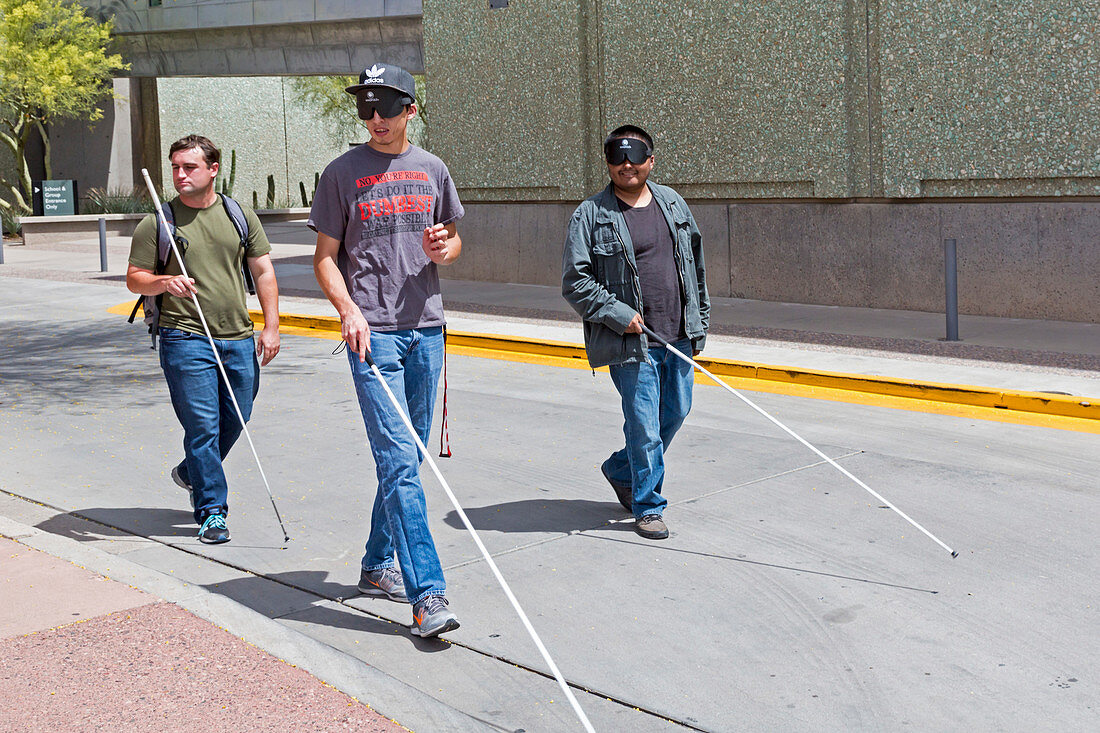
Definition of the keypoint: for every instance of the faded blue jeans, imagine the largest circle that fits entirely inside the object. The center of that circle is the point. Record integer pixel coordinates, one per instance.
(656, 397)
(205, 410)
(410, 361)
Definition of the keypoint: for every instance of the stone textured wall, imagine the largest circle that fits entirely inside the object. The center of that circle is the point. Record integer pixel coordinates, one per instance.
(509, 102)
(988, 98)
(787, 99)
(827, 148)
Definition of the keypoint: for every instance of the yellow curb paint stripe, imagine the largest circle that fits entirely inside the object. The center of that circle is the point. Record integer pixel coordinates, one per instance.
(850, 396)
(561, 353)
(1012, 406)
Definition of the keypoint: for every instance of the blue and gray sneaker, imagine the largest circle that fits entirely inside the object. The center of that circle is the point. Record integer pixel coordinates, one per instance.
(431, 617)
(181, 482)
(213, 530)
(383, 583)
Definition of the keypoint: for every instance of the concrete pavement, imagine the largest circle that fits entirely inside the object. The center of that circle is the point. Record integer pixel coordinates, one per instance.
(785, 599)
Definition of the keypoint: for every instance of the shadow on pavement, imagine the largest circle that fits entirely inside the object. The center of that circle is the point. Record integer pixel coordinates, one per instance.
(41, 366)
(307, 596)
(96, 523)
(543, 515)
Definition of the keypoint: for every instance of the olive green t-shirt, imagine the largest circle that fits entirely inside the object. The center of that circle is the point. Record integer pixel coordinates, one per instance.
(213, 257)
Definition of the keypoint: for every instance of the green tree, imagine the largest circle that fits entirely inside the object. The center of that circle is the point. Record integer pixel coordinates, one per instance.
(325, 95)
(53, 65)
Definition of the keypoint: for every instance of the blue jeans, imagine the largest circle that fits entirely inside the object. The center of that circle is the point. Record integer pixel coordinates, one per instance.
(205, 410)
(410, 361)
(656, 396)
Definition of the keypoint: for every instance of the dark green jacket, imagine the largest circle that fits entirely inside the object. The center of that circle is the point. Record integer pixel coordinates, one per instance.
(599, 275)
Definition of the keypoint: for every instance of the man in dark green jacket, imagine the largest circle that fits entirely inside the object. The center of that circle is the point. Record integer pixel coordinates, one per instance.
(634, 256)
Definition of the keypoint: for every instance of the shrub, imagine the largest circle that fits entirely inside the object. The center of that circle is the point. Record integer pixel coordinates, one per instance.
(117, 201)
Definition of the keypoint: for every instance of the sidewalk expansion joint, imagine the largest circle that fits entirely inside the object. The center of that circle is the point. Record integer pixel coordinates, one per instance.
(583, 531)
(761, 479)
(609, 697)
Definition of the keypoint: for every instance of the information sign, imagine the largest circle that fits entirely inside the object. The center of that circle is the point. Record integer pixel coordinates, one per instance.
(55, 198)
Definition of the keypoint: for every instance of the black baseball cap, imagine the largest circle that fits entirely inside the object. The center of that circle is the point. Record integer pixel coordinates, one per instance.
(385, 76)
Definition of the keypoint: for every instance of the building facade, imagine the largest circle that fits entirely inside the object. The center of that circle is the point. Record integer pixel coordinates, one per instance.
(827, 148)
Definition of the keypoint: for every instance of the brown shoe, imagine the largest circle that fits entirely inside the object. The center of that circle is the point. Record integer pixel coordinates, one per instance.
(652, 527)
(623, 493)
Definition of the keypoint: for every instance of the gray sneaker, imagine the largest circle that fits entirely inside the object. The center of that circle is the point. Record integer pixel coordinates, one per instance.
(178, 478)
(652, 527)
(431, 617)
(384, 583)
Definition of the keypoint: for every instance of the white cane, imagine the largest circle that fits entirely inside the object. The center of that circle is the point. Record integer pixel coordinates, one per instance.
(484, 552)
(796, 436)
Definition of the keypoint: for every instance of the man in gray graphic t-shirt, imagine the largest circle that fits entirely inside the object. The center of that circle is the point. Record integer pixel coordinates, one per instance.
(378, 205)
(385, 214)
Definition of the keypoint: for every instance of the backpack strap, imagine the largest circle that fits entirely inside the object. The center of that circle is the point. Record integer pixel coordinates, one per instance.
(240, 223)
(151, 304)
(164, 244)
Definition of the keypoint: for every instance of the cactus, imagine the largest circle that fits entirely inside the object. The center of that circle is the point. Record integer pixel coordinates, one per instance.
(232, 172)
(226, 184)
(255, 200)
(270, 191)
(302, 188)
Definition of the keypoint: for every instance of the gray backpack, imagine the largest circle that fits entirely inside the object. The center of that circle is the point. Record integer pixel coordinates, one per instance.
(150, 304)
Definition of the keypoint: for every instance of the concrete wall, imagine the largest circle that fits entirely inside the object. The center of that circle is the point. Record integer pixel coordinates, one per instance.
(262, 37)
(137, 16)
(1024, 260)
(103, 155)
(1027, 260)
(259, 117)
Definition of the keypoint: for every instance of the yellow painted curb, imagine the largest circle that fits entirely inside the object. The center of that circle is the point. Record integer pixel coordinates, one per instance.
(1035, 408)
(1037, 402)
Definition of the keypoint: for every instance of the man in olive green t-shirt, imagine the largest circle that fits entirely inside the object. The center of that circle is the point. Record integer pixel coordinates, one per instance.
(212, 251)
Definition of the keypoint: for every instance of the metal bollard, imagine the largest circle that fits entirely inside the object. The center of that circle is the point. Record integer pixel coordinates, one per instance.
(1, 248)
(951, 285)
(102, 244)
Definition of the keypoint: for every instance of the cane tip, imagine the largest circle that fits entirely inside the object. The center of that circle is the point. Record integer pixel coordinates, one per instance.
(954, 553)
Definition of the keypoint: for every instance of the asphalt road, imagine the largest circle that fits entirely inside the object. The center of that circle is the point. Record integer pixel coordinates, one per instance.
(787, 598)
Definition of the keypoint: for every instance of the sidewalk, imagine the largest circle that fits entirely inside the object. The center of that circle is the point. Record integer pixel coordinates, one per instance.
(1036, 372)
(994, 352)
(821, 611)
(82, 652)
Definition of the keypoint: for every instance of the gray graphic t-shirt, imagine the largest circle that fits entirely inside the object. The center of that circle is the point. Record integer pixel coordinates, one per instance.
(378, 205)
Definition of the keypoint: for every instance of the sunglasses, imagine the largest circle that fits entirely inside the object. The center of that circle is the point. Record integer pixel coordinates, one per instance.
(386, 102)
(627, 148)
